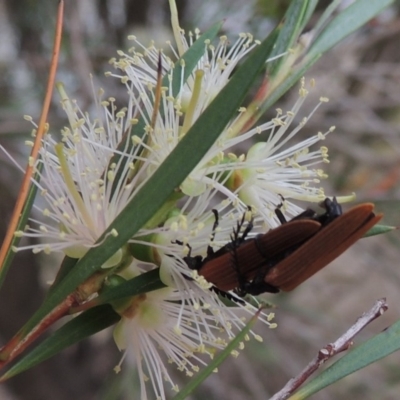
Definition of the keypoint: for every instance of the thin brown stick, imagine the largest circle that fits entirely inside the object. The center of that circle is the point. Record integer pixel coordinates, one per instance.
(330, 350)
(22, 340)
(24, 190)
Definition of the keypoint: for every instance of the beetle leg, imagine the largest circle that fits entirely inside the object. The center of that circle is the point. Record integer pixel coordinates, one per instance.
(249, 226)
(258, 286)
(227, 295)
(279, 213)
(235, 243)
(195, 262)
(306, 214)
(237, 240)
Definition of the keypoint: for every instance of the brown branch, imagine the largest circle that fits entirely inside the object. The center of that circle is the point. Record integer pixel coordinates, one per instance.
(330, 350)
(30, 169)
(22, 340)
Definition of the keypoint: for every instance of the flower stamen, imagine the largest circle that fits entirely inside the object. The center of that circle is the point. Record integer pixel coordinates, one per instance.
(189, 115)
(71, 186)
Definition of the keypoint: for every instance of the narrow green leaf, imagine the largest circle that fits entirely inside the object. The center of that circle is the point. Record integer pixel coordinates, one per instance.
(345, 23)
(216, 362)
(368, 352)
(77, 329)
(326, 15)
(66, 266)
(165, 179)
(379, 230)
(143, 283)
(350, 19)
(312, 4)
(21, 226)
(286, 84)
(191, 58)
(290, 30)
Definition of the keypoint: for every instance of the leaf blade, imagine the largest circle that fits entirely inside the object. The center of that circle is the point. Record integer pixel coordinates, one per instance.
(75, 330)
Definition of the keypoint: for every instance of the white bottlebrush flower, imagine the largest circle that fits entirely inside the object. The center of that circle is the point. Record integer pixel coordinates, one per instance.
(274, 172)
(79, 183)
(172, 326)
(187, 319)
(269, 171)
(180, 110)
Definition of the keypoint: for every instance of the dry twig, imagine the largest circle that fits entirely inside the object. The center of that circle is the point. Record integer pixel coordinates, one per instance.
(342, 344)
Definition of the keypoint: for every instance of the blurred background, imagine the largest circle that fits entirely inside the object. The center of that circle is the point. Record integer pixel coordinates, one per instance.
(361, 77)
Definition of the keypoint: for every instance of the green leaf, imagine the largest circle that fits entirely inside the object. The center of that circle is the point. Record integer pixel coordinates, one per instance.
(156, 191)
(282, 88)
(66, 266)
(379, 230)
(312, 4)
(368, 352)
(349, 20)
(326, 15)
(345, 23)
(21, 225)
(216, 361)
(77, 329)
(191, 59)
(143, 283)
(290, 30)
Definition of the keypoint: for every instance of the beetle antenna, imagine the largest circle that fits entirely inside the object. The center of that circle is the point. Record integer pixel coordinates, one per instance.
(278, 211)
(216, 223)
(210, 250)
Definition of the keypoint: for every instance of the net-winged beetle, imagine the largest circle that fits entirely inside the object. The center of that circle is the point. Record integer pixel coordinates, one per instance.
(284, 257)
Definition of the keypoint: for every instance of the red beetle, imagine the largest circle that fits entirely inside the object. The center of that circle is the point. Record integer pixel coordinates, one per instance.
(286, 256)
